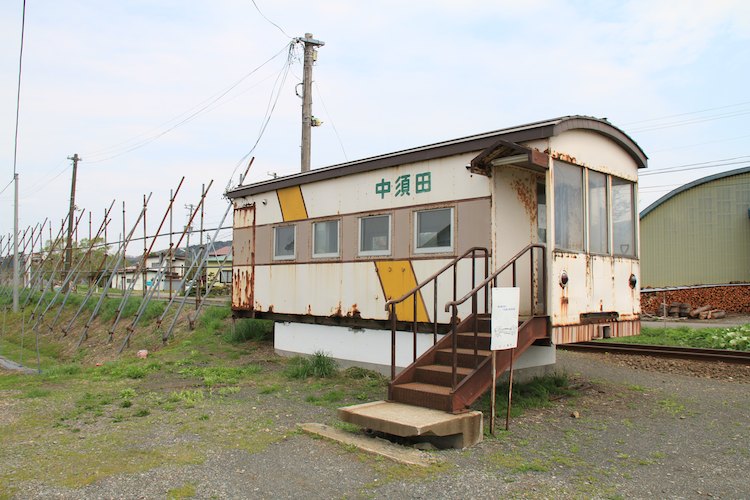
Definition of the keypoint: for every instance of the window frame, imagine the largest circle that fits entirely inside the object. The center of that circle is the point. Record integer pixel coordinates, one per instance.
(293, 256)
(633, 217)
(327, 255)
(607, 210)
(582, 205)
(442, 249)
(373, 253)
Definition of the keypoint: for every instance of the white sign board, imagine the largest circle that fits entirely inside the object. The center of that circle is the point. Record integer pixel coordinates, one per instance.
(505, 303)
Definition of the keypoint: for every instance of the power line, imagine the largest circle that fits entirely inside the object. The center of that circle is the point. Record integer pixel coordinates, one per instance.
(335, 130)
(699, 165)
(282, 76)
(204, 106)
(695, 144)
(18, 94)
(264, 17)
(693, 121)
(687, 113)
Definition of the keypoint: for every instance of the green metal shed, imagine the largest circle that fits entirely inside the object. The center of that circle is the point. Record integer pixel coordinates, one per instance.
(699, 233)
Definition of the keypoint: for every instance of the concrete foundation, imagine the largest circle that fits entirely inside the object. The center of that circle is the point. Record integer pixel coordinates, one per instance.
(371, 349)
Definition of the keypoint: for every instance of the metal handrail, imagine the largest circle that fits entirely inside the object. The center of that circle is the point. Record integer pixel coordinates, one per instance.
(485, 285)
(391, 304)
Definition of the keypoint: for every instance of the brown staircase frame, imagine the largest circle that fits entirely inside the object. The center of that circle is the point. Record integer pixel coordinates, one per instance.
(474, 384)
(390, 306)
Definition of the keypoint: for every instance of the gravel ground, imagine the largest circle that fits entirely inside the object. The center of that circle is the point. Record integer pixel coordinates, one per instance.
(635, 431)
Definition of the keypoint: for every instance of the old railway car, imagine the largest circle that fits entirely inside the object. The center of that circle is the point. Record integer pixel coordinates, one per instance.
(323, 252)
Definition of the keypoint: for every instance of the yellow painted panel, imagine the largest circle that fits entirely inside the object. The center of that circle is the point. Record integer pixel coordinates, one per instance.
(292, 203)
(397, 278)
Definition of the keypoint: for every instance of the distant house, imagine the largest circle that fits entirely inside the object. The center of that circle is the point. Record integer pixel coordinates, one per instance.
(699, 233)
(154, 263)
(220, 262)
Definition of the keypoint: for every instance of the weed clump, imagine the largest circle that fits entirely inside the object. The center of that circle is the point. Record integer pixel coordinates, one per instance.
(257, 330)
(319, 365)
(536, 393)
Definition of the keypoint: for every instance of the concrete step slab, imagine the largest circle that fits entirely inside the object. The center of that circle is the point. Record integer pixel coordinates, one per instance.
(399, 454)
(444, 429)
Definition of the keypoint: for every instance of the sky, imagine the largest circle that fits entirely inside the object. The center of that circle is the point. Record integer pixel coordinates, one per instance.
(146, 92)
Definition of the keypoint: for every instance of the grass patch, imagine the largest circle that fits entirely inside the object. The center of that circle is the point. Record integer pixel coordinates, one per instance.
(517, 463)
(671, 406)
(270, 389)
(213, 318)
(184, 491)
(215, 376)
(187, 397)
(319, 365)
(329, 397)
(36, 393)
(735, 338)
(535, 393)
(256, 330)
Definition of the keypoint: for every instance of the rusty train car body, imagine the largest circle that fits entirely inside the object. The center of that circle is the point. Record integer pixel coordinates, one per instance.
(322, 252)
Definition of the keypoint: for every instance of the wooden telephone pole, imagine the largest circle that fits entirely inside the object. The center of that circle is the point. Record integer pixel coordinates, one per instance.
(69, 246)
(310, 56)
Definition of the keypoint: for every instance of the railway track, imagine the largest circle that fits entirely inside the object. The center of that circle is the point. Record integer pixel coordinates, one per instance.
(690, 353)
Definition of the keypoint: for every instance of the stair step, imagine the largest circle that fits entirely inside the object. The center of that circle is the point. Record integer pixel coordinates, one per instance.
(484, 323)
(421, 394)
(466, 340)
(465, 356)
(440, 374)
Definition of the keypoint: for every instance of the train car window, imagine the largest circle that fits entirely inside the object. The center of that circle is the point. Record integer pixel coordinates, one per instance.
(541, 212)
(283, 242)
(433, 230)
(623, 217)
(568, 207)
(598, 220)
(375, 235)
(326, 239)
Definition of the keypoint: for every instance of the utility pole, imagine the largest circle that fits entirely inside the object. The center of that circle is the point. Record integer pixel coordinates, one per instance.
(189, 228)
(69, 246)
(311, 55)
(16, 268)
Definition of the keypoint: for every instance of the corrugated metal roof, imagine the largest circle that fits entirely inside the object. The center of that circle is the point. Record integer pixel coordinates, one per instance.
(520, 133)
(690, 185)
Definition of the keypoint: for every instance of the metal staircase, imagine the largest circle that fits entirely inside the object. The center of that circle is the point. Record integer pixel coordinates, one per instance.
(456, 370)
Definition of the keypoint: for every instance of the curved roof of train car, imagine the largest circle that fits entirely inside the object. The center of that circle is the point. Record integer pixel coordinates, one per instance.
(691, 185)
(521, 133)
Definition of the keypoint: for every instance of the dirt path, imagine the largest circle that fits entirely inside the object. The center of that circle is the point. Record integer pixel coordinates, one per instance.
(637, 434)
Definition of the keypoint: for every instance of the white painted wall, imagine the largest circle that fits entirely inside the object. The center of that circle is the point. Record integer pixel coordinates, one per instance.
(372, 348)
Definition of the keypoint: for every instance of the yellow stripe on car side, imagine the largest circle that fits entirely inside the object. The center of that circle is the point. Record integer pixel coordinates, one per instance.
(292, 204)
(397, 277)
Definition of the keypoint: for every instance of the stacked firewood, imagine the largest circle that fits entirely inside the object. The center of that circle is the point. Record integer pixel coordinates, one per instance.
(732, 299)
(683, 310)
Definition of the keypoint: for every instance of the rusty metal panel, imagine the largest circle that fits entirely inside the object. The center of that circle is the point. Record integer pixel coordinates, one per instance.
(242, 288)
(595, 284)
(243, 216)
(327, 289)
(571, 334)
